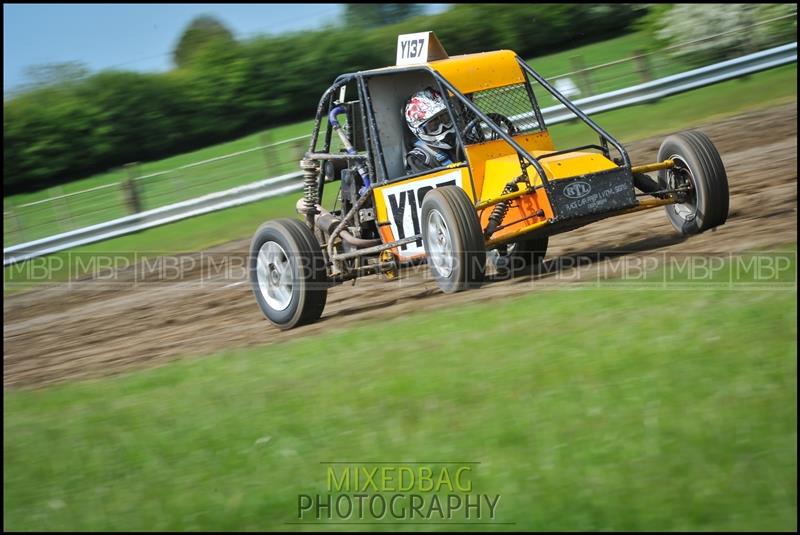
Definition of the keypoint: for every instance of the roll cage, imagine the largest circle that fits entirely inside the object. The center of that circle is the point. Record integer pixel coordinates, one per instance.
(365, 119)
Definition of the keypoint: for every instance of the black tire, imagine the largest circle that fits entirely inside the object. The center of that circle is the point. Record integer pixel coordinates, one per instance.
(462, 231)
(697, 162)
(523, 256)
(307, 275)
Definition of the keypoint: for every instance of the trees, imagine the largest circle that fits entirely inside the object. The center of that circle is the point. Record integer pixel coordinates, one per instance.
(373, 15)
(203, 31)
(720, 31)
(225, 88)
(55, 73)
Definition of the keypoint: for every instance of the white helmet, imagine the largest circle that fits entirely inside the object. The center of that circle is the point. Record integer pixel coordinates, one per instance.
(428, 119)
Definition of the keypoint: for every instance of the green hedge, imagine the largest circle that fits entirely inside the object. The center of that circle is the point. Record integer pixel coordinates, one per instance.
(69, 131)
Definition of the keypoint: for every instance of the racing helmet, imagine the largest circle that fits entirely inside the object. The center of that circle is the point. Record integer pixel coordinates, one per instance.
(428, 119)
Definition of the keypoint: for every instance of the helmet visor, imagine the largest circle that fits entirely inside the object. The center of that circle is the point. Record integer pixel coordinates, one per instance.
(437, 124)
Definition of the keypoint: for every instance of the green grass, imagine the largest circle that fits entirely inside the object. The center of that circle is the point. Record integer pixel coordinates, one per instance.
(25, 223)
(611, 77)
(595, 409)
(668, 115)
(190, 235)
(248, 142)
(591, 54)
(687, 110)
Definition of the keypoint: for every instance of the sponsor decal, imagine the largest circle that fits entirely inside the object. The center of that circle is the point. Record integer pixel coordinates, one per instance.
(576, 190)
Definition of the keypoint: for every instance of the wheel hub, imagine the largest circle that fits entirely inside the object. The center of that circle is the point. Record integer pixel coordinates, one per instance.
(679, 176)
(440, 247)
(274, 273)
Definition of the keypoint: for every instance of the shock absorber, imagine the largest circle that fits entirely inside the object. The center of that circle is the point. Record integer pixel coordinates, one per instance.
(310, 174)
(500, 210)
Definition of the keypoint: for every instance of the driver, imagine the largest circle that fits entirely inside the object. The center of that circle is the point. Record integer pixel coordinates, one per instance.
(428, 119)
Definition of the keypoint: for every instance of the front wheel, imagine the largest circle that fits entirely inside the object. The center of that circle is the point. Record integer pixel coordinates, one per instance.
(698, 168)
(453, 239)
(288, 273)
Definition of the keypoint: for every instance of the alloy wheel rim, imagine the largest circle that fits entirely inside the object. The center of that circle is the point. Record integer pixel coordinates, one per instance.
(274, 273)
(439, 244)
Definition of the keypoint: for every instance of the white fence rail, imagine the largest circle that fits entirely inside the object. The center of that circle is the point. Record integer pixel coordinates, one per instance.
(263, 189)
(638, 94)
(678, 83)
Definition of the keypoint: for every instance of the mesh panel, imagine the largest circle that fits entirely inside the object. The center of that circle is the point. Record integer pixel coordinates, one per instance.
(509, 107)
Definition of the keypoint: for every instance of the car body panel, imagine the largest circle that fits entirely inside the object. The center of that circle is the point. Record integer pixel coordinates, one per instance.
(479, 153)
(398, 205)
(477, 72)
(469, 72)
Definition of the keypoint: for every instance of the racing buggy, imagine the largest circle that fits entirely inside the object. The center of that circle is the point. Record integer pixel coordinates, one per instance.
(507, 190)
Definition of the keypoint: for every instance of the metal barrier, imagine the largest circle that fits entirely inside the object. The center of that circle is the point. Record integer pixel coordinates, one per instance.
(672, 85)
(638, 94)
(132, 189)
(212, 202)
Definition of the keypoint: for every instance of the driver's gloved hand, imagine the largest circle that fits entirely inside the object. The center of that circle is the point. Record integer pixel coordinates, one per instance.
(418, 160)
(421, 158)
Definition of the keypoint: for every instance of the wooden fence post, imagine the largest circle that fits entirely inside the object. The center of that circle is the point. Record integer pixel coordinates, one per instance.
(65, 220)
(131, 188)
(643, 66)
(266, 142)
(583, 75)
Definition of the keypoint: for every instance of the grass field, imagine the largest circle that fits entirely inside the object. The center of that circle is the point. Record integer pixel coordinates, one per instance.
(654, 64)
(687, 110)
(628, 124)
(65, 212)
(592, 54)
(32, 222)
(618, 410)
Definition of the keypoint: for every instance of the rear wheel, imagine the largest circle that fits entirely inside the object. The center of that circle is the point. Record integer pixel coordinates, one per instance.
(287, 273)
(453, 240)
(522, 256)
(699, 168)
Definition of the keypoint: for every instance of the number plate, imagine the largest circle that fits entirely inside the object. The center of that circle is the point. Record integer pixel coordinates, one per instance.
(419, 48)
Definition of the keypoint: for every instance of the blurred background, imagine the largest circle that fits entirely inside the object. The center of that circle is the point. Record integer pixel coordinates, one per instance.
(649, 400)
(85, 145)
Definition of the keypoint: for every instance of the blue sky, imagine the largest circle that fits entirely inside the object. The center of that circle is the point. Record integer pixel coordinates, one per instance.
(134, 36)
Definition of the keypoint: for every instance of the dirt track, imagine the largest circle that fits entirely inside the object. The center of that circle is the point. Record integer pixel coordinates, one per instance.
(99, 327)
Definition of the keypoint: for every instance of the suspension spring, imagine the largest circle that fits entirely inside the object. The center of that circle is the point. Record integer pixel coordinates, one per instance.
(500, 210)
(310, 175)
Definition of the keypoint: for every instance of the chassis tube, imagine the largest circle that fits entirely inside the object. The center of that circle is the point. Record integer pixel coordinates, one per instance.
(518, 233)
(377, 248)
(649, 168)
(323, 103)
(574, 109)
(647, 204)
(325, 220)
(482, 116)
(507, 197)
(357, 206)
(334, 122)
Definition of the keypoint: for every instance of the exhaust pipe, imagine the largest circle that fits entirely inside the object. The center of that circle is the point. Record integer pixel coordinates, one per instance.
(328, 222)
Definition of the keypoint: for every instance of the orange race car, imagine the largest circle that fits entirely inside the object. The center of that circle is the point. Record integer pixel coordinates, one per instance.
(442, 159)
